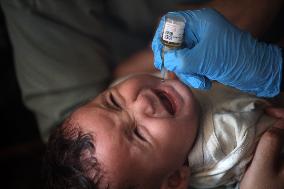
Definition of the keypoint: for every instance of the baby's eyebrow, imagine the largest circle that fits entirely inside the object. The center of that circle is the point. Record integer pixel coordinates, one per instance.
(114, 101)
(102, 101)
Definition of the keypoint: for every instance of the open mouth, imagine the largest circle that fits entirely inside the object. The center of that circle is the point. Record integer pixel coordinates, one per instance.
(166, 101)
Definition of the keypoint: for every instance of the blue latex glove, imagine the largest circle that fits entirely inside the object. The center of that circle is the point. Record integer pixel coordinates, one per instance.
(214, 49)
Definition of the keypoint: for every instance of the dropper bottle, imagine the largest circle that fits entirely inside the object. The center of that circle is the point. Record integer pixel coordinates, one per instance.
(172, 37)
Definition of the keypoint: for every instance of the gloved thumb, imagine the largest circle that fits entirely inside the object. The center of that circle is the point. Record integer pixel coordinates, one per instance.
(195, 81)
(183, 61)
(157, 45)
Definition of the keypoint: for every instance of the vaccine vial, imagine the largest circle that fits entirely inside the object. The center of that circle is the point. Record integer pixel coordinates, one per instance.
(172, 36)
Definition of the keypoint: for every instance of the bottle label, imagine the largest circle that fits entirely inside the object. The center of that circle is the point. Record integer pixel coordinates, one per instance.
(173, 32)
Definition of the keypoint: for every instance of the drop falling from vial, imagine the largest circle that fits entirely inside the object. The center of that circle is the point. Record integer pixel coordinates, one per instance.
(163, 70)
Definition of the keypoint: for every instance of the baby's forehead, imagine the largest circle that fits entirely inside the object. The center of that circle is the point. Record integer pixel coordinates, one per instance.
(122, 79)
(149, 76)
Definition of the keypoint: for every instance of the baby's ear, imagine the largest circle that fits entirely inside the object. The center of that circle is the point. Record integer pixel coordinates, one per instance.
(179, 179)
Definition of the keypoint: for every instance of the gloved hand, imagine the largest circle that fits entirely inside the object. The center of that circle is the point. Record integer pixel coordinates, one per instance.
(214, 49)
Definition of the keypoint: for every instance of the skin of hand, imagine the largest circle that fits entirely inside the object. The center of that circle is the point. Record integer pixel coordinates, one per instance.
(267, 169)
(141, 61)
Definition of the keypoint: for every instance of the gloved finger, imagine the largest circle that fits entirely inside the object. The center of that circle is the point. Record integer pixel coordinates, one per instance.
(190, 35)
(157, 45)
(195, 81)
(197, 24)
(191, 30)
(268, 151)
(183, 61)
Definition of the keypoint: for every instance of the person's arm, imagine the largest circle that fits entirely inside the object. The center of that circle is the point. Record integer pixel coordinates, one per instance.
(215, 49)
(141, 61)
(267, 168)
(255, 16)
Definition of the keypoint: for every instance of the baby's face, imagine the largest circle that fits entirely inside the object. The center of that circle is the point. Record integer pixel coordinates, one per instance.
(143, 129)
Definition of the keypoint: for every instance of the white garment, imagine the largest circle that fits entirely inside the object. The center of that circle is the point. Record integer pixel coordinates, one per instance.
(231, 125)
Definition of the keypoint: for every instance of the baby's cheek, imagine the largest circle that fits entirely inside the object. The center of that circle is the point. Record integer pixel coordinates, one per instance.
(183, 134)
(172, 154)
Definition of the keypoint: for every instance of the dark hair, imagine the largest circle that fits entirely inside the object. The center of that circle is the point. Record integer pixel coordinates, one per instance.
(70, 161)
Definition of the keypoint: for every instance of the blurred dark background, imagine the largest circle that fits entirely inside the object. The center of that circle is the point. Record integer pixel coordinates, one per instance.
(21, 148)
